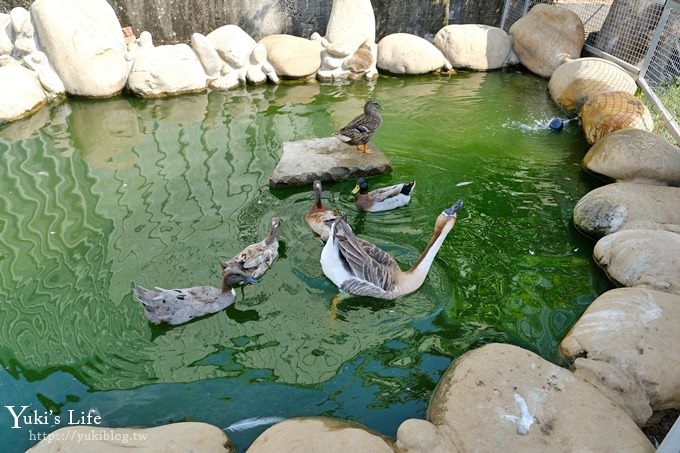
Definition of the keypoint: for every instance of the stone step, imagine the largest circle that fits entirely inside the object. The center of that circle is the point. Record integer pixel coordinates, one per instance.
(326, 159)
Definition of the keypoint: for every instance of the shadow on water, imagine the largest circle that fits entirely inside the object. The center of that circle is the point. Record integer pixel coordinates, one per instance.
(95, 195)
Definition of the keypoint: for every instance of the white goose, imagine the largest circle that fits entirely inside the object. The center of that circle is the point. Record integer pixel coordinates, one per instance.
(359, 267)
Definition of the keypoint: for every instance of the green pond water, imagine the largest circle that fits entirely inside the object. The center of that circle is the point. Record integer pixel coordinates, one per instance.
(96, 195)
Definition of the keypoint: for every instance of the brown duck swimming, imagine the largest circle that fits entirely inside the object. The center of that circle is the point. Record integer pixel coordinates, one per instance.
(177, 306)
(255, 259)
(320, 218)
(361, 129)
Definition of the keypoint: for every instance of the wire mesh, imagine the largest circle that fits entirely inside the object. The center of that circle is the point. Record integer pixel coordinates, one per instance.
(663, 71)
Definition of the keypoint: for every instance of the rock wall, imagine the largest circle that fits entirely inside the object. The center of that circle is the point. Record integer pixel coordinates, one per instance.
(418, 17)
(487, 12)
(172, 21)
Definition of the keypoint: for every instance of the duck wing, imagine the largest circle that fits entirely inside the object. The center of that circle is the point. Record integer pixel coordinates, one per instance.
(383, 194)
(177, 306)
(367, 262)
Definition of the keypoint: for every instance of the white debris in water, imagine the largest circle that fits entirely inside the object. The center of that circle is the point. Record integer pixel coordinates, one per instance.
(464, 183)
(525, 419)
(253, 422)
(43, 173)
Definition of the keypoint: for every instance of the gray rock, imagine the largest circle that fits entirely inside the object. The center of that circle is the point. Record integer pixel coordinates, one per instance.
(641, 258)
(326, 159)
(187, 437)
(319, 434)
(622, 206)
(637, 156)
(626, 343)
(501, 398)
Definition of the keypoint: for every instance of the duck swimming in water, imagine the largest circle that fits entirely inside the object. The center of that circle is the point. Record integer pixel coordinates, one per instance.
(360, 130)
(384, 199)
(359, 267)
(255, 259)
(177, 306)
(320, 218)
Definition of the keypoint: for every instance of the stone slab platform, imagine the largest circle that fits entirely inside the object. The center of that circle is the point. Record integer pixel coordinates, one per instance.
(326, 159)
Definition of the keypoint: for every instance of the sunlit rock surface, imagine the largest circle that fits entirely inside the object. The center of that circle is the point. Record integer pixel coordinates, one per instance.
(165, 71)
(85, 45)
(620, 206)
(20, 93)
(349, 48)
(636, 156)
(326, 159)
(403, 53)
(319, 435)
(642, 258)
(293, 57)
(607, 112)
(634, 330)
(472, 46)
(547, 37)
(173, 438)
(575, 81)
(503, 398)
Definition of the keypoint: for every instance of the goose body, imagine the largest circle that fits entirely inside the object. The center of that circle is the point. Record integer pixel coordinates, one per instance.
(177, 306)
(319, 218)
(255, 259)
(384, 199)
(358, 267)
(360, 130)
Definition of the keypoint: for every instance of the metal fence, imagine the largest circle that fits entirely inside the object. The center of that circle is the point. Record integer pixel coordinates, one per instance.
(642, 36)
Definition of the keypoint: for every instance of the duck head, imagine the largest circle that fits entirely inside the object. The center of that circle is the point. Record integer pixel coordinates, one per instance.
(233, 277)
(361, 187)
(317, 192)
(371, 106)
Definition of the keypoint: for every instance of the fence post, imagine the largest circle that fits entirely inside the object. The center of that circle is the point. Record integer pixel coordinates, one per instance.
(504, 15)
(655, 39)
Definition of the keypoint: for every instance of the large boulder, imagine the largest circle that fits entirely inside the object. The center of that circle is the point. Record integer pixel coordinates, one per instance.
(319, 435)
(246, 60)
(293, 57)
(635, 330)
(620, 206)
(6, 35)
(637, 156)
(349, 49)
(546, 37)
(173, 438)
(165, 71)
(20, 93)
(611, 111)
(575, 81)
(472, 46)
(85, 45)
(504, 398)
(642, 258)
(402, 53)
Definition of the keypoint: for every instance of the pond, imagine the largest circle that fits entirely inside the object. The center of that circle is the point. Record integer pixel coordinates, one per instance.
(96, 195)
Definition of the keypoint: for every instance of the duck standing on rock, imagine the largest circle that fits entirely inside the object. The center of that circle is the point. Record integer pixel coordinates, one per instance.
(384, 199)
(361, 129)
(359, 267)
(320, 218)
(255, 259)
(177, 306)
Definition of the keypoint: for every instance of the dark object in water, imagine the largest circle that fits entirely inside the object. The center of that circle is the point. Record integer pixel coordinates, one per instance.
(556, 124)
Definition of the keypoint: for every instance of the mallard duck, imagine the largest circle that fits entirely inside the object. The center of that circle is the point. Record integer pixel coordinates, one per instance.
(177, 306)
(360, 130)
(384, 199)
(319, 218)
(359, 267)
(255, 259)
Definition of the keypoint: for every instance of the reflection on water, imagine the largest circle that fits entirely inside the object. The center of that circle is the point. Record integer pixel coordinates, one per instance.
(96, 195)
